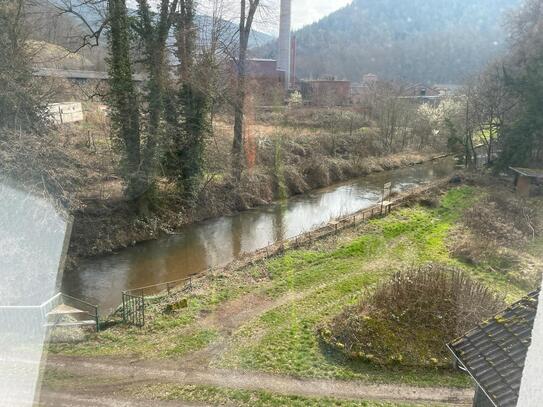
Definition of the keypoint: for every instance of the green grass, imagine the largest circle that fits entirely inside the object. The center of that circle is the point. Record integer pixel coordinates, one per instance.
(246, 398)
(196, 341)
(287, 342)
(284, 340)
(317, 284)
(300, 270)
(164, 335)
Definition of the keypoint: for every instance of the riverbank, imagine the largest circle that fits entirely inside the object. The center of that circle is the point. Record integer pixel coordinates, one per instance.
(262, 318)
(104, 226)
(213, 243)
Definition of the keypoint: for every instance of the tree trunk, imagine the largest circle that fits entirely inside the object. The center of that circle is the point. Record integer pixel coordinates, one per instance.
(246, 22)
(123, 98)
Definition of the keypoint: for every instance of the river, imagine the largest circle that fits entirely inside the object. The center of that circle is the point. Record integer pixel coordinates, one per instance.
(215, 242)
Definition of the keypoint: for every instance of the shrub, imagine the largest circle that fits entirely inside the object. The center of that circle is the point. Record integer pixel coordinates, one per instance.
(498, 220)
(409, 319)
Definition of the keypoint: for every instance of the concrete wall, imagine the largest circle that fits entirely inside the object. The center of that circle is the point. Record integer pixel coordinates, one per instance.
(62, 113)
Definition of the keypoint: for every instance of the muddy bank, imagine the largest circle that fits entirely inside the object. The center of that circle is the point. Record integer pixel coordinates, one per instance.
(105, 226)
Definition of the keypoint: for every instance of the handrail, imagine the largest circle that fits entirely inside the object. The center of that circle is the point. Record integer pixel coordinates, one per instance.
(42, 307)
(166, 283)
(93, 313)
(78, 300)
(50, 300)
(31, 306)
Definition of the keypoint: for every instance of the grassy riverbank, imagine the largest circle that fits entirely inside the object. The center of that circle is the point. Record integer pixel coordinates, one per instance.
(290, 153)
(263, 318)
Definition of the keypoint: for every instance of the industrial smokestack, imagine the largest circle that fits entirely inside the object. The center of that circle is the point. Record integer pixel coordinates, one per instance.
(293, 62)
(283, 62)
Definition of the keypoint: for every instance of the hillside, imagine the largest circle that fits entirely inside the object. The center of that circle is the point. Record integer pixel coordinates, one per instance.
(66, 30)
(439, 41)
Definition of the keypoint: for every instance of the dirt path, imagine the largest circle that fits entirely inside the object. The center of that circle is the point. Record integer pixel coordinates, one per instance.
(194, 369)
(67, 399)
(229, 318)
(169, 372)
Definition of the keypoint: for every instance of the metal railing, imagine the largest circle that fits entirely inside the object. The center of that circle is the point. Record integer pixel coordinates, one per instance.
(133, 310)
(91, 309)
(46, 307)
(160, 287)
(133, 307)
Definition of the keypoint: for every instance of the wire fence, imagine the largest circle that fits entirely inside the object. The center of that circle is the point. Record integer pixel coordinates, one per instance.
(135, 298)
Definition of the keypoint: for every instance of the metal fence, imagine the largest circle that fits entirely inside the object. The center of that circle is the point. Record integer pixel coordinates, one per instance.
(134, 300)
(133, 310)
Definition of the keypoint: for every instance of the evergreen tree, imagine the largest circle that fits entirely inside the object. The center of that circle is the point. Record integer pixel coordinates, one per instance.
(188, 107)
(123, 99)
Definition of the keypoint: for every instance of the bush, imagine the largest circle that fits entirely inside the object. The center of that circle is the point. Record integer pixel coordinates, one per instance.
(501, 220)
(409, 319)
(492, 232)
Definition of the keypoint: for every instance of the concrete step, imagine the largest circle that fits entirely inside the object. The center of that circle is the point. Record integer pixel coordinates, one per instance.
(71, 324)
(63, 310)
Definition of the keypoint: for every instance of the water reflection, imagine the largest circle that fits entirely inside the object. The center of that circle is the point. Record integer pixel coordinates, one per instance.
(218, 241)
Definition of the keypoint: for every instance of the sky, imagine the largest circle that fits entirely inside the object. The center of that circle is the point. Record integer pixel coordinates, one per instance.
(304, 12)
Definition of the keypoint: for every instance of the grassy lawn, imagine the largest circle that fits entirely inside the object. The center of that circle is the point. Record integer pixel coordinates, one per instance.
(316, 285)
(283, 340)
(245, 398)
(165, 334)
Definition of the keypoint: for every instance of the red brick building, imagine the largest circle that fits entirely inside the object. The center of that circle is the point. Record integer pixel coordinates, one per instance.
(326, 92)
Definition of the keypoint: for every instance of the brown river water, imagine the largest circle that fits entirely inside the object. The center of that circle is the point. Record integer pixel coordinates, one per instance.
(216, 242)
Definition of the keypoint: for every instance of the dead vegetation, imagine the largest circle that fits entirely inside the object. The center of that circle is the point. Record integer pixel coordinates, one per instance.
(38, 163)
(494, 232)
(409, 318)
(287, 161)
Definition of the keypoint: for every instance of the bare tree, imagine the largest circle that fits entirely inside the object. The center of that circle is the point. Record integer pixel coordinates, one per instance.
(491, 103)
(248, 12)
(92, 16)
(391, 113)
(22, 103)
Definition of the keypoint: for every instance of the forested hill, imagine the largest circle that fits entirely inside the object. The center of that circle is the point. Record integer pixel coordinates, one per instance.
(439, 41)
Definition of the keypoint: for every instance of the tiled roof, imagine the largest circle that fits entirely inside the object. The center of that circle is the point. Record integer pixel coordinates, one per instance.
(494, 352)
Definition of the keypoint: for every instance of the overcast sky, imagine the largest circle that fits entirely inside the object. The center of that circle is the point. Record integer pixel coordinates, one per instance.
(304, 12)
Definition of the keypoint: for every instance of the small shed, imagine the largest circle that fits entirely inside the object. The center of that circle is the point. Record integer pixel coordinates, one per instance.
(494, 353)
(528, 181)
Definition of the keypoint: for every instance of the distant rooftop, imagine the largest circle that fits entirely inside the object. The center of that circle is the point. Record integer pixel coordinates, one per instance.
(78, 74)
(262, 60)
(325, 80)
(494, 352)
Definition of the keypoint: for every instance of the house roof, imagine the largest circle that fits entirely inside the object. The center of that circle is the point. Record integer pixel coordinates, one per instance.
(529, 172)
(79, 74)
(494, 352)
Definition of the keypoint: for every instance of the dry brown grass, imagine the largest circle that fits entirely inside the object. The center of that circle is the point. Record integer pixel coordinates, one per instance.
(289, 160)
(408, 319)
